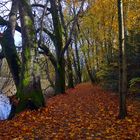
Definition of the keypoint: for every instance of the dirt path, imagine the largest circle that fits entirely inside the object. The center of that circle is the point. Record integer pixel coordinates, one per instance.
(84, 113)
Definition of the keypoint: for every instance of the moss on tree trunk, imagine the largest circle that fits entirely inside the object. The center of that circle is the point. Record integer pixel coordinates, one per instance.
(29, 91)
(31, 96)
(11, 55)
(60, 78)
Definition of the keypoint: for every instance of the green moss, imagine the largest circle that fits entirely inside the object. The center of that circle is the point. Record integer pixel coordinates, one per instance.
(28, 21)
(11, 55)
(58, 66)
(26, 81)
(29, 24)
(34, 97)
(27, 53)
(21, 106)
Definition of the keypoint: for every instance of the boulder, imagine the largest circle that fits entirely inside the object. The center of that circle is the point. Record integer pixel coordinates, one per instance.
(49, 92)
(5, 107)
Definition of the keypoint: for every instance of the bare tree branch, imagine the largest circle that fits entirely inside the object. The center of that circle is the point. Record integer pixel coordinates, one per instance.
(41, 6)
(73, 28)
(51, 35)
(48, 53)
(5, 23)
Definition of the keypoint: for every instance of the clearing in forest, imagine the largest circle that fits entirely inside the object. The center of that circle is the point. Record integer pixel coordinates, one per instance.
(84, 113)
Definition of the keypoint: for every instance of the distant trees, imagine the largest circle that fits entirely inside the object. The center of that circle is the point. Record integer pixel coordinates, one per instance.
(60, 35)
(99, 32)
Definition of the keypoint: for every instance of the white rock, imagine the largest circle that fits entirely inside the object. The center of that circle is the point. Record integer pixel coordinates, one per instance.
(5, 106)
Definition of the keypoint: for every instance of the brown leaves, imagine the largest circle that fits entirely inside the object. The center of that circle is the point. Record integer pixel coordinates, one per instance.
(86, 112)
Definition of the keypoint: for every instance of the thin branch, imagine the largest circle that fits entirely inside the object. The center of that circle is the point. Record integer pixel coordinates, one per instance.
(48, 53)
(73, 28)
(6, 23)
(41, 6)
(51, 35)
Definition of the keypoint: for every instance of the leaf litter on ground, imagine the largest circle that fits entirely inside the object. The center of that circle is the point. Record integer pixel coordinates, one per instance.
(86, 112)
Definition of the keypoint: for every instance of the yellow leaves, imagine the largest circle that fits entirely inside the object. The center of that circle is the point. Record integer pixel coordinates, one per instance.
(129, 120)
(110, 130)
(111, 137)
(15, 124)
(101, 20)
(72, 135)
(24, 128)
(111, 112)
(132, 13)
(18, 138)
(34, 118)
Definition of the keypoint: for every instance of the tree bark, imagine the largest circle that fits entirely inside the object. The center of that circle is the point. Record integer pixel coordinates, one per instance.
(29, 92)
(60, 77)
(122, 63)
(78, 72)
(67, 43)
(70, 71)
(58, 43)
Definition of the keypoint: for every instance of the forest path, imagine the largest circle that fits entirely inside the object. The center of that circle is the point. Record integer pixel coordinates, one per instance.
(84, 113)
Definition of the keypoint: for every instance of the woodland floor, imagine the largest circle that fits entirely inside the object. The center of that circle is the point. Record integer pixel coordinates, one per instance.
(84, 113)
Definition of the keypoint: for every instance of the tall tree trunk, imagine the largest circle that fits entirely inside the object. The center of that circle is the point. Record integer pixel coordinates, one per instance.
(58, 43)
(29, 92)
(69, 65)
(122, 63)
(75, 67)
(91, 77)
(70, 71)
(87, 60)
(78, 72)
(60, 77)
(96, 56)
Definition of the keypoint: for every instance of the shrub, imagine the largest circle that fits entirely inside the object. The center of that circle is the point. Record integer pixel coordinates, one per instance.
(107, 77)
(134, 85)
